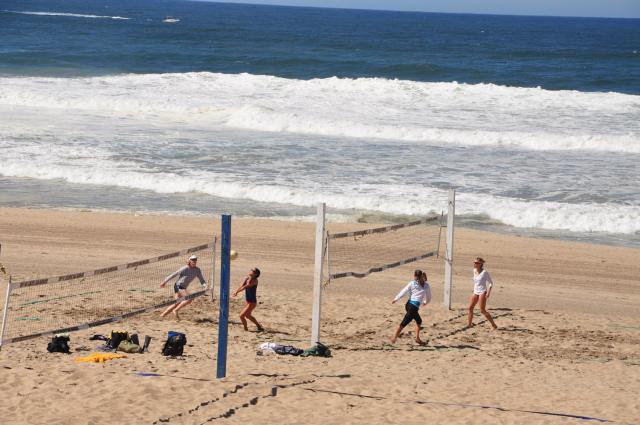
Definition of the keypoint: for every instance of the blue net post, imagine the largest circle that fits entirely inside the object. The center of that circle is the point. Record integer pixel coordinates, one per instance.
(225, 272)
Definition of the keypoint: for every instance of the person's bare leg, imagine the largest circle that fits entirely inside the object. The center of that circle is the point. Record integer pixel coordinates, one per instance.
(483, 310)
(182, 305)
(171, 307)
(244, 323)
(397, 334)
(243, 315)
(253, 319)
(168, 310)
(472, 304)
(418, 340)
(249, 316)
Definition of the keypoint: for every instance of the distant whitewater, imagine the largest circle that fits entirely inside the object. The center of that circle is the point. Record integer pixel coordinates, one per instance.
(71, 15)
(436, 113)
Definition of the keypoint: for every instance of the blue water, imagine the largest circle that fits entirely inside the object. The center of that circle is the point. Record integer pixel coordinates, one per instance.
(584, 54)
(265, 111)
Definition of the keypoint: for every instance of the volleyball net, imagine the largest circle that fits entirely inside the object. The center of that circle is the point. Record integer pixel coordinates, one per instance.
(362, 252)
(82, 300)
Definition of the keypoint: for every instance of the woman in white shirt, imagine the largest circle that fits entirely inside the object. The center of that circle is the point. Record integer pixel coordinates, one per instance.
(482, 284)
(419, 294)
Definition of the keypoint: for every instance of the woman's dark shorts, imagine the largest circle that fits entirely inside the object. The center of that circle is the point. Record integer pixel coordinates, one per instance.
(412, 314)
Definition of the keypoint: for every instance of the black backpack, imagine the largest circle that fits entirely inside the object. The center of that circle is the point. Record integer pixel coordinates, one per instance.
(59, 344)
(175, 344)
(116, 337)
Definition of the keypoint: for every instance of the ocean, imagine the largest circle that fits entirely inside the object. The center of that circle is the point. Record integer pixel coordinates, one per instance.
(264, 111)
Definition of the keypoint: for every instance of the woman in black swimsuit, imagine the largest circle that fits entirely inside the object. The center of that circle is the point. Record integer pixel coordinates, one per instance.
(250, 288)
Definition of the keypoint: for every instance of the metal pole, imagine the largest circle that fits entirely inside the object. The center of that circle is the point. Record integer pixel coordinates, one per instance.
(223, 321)
(5, 312)
(317, 275)
(448, 261)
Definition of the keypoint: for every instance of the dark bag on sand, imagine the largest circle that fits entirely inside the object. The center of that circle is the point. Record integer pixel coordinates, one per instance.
(116, 337)
(127, 346)
(59, 344)
(175, 344)
(288, 349)
(318, 350)
(134, 338)
(132, 344)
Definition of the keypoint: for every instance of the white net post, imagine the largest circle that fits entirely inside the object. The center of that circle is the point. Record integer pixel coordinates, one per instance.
(317, 274)
(448, 265)
(5, 311)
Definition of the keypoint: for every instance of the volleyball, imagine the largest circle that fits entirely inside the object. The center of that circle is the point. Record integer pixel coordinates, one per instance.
(233, 254)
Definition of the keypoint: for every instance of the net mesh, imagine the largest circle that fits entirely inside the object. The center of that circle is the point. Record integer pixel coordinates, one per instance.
(81, 300)
(360, 253)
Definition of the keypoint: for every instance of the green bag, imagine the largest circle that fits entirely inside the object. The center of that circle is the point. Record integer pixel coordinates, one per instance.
(318, 350)
(128, 347)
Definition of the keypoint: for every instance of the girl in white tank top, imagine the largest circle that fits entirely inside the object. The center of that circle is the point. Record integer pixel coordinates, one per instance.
(482, 284)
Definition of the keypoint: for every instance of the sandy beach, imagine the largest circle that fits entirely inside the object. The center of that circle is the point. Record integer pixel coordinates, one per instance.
(567, 348)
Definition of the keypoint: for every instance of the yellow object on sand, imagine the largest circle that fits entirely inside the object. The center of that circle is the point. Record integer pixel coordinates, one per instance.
(99, 357)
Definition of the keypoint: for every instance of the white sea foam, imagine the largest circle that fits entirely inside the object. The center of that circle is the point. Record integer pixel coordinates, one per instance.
(369, 108)
(89, 165)
(132, 131)
(72, 15)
